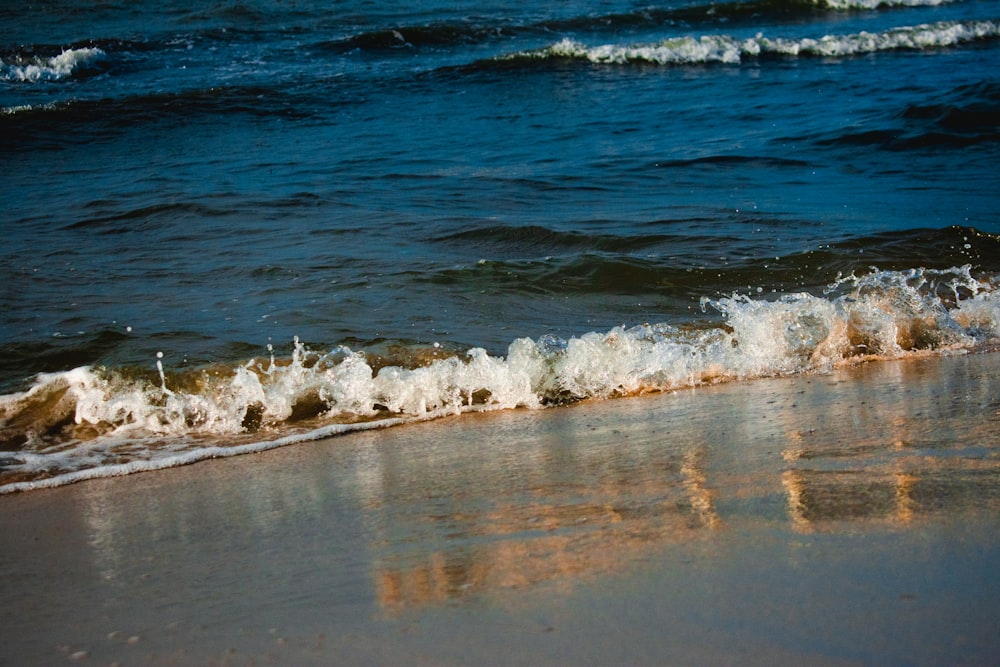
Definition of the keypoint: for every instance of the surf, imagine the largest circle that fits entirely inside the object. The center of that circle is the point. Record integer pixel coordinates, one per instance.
(732, 50)
(97, 421)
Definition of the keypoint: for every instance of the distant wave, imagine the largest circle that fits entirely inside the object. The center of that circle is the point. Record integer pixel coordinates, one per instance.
(536, 240)
(725, 12)
(731, 50)
(32, 68)
(92, 422)
(880, 4)
(469, 32)
(535, 260)
(965, 116)
(53, 124)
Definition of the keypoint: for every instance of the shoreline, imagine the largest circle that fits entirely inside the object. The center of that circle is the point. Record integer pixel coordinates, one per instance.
(845, 518)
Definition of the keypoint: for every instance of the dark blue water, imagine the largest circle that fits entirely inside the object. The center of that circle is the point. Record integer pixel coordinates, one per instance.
(191, 183)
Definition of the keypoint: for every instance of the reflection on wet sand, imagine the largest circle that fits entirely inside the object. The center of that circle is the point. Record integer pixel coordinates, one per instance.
(548, 533)
(438, 512)
(818, 499)
(570, 537)
(805, 513)
(919, 445)
(854, 459)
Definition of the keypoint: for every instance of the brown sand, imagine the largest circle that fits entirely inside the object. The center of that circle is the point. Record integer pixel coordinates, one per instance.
(850, 518)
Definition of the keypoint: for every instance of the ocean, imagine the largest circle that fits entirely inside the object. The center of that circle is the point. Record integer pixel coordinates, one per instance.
(232, 226)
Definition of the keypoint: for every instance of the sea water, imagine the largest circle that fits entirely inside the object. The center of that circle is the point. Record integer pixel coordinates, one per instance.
(229, 226)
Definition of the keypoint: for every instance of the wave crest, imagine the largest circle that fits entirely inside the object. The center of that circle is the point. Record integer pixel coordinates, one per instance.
(68, 63)
(96, 419)
(731, 50)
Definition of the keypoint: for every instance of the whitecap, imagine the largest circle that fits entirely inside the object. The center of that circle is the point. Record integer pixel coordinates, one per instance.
(94, 422)
(727, 49)
(54, 68)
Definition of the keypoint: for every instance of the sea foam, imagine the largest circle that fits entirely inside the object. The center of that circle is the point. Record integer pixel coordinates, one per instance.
(53, 68)
(877, 4)
(108, 419)
(727, 49)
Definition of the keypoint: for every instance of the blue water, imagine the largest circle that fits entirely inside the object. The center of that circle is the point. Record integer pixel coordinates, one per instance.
(190, 183)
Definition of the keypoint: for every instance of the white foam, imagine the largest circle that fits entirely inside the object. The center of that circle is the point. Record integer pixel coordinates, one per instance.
(20, 108)
(186, 458)
(876, 4)
(920, 37)
(54, 68)
(252, 407)
(731, 50)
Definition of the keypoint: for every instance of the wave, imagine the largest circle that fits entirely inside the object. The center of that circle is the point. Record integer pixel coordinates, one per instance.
(971, 108)
(50, 126)
(94, 421)
(39, 124)
(459, 33)
(727, 12)
(726, 49)
(880, 4)
(675, 258)
(538, 240)
(70, 63)
(409, 37)
(966, 116)
(762, 161)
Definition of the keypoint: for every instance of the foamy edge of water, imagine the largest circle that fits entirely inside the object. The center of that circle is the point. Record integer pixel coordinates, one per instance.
(195, 456)
(881, 315)
(726, 49)
(53, 68)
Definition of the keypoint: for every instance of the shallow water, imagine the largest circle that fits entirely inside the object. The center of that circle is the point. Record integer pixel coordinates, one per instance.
(196, 185)
(859, 509)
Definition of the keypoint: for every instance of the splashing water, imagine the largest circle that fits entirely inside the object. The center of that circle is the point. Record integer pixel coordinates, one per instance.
(90, 420)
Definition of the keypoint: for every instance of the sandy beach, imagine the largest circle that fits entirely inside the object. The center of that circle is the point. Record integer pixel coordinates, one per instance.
(842, 518)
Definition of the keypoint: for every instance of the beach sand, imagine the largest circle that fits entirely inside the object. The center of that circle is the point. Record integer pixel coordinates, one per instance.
(842, 518)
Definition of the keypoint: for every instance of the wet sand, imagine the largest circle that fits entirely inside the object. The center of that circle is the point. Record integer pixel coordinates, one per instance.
(848, 518)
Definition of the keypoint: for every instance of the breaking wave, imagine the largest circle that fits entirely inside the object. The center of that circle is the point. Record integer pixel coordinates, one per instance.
(94, 422)
(65, 65)
(402, 38)
(731, 50)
